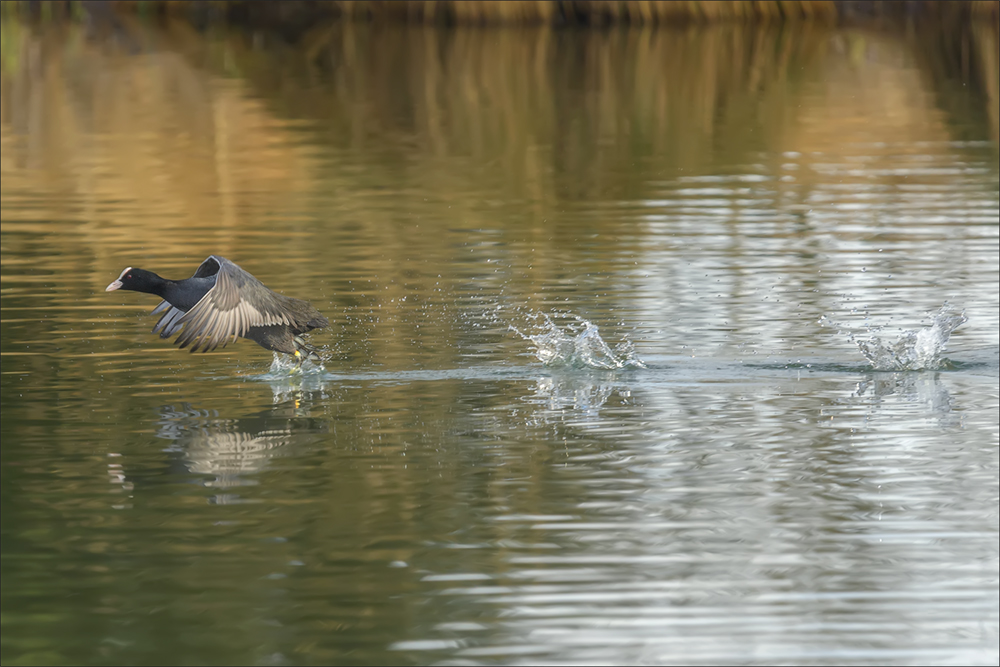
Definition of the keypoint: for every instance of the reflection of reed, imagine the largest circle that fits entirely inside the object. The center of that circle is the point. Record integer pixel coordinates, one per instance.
(140, 129)
(985, 40)
(537, 115)
(167, 144)
(965, 52)
(556, 113)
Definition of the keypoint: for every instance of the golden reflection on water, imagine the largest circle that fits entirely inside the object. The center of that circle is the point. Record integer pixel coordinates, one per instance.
(202, 131)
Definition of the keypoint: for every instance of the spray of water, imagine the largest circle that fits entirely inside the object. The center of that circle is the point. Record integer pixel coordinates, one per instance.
(912, 350)
(576, 342)
(286, 364)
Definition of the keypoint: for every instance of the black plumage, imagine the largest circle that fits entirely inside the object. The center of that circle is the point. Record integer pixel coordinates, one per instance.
(222, 302)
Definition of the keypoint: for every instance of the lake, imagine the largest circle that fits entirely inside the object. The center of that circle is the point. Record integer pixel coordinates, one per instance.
(647, 346)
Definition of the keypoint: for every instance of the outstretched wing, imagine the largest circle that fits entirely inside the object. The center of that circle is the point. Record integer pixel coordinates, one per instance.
(237, 302)
(169, 323)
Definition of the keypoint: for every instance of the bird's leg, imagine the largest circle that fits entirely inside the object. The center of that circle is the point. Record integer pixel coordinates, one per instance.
(306, 350)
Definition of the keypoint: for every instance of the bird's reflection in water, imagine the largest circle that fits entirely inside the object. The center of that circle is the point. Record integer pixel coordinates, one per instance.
(231, 452)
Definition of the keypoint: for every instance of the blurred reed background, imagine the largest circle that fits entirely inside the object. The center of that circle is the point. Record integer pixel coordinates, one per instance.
(532, 12)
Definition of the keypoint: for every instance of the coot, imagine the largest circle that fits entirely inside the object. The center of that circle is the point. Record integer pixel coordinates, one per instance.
(221, 302)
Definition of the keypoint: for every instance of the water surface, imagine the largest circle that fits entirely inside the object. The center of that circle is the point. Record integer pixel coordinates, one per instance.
(592, 391)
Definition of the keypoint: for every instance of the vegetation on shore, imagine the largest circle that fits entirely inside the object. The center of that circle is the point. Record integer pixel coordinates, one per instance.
(292, 14)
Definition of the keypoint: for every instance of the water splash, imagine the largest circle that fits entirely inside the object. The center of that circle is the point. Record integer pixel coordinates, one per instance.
(577, 342)
(284, 365)
(918, 349)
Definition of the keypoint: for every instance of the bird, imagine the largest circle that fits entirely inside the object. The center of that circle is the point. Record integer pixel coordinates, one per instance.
(222, 302)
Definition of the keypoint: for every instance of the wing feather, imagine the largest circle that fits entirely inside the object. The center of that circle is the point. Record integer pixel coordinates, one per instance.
(207, 330)
(239, 328)
(167, 324)
(225, 312)
(225, 335)
(173, 324)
